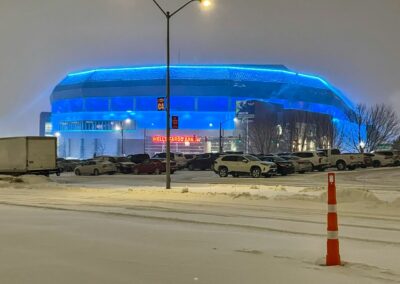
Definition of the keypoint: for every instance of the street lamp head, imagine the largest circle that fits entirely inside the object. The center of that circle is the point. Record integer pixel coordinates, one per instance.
(205, 3)
(128, 121)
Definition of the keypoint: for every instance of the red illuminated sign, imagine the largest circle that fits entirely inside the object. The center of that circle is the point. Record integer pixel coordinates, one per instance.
(176, 139)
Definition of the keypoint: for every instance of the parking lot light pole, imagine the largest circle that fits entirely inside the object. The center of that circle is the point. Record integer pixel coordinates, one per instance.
(121, 128)
(168, 15)
(221, 146)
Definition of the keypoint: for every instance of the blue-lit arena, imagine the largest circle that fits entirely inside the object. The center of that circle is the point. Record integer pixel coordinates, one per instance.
(114, 111)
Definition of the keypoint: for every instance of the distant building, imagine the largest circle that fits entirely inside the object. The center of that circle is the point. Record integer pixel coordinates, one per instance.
(93, 110)
(45, 125)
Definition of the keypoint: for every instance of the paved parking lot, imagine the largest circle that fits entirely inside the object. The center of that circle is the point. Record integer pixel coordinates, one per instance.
(374, 179)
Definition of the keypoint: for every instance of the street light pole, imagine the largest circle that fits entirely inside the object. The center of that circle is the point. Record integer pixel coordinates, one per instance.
(220, 138)
(122, 140)
(168, 16)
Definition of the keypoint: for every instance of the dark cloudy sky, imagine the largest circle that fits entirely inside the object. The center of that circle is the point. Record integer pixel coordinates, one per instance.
(354, 44)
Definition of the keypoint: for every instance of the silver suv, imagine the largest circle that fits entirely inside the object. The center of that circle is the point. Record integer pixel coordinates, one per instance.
(237, 165)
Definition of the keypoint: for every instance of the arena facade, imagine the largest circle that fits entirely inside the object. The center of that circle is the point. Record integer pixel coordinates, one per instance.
(114, 111)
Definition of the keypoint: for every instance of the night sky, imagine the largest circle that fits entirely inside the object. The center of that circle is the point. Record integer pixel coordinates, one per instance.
(354, 44)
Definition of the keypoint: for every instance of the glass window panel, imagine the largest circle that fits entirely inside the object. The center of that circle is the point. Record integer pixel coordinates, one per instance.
(96, 104)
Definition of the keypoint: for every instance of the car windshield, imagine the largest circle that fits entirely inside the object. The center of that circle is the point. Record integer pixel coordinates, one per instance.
(252, 158)
(278, 159)
(291, 158)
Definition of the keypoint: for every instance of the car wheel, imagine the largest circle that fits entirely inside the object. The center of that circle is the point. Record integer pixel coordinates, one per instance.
(96, 172)
(341, 166)
(136, 171)
(376, 164)
(157, 171)
(78, 172)
(321, 169)
(268, 175)
(223, 172)
(255, 172)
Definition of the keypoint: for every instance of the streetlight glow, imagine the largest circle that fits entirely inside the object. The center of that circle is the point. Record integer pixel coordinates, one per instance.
(128, 121)
(205, 3)
(118, 128)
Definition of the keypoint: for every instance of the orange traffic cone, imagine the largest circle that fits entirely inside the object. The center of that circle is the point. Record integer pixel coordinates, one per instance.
(332, 256)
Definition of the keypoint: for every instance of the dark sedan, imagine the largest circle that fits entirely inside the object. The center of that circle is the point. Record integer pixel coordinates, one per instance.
(202, 162)
(284, 167)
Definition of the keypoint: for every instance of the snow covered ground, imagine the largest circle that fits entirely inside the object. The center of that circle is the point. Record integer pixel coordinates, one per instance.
(128, 229)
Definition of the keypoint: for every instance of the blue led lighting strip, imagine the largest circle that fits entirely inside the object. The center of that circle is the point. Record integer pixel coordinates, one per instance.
(222, 68)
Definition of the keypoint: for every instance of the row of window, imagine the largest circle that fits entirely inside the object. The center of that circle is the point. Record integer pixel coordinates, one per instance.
(142, 104)
(93, 125)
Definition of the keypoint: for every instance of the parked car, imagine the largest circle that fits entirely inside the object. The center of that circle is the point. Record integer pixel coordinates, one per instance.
(284, 167)
(243, 165)
(189, 157)
(173, 166)
(202, 162)
(149, 167)
(318, 160)
(67, 165)
(123, 164)
(179, 159)
(95, 167)
(393, 154)
(138, 158)
(368, 159)
(382, 159)
(343, 161)
(300, 166)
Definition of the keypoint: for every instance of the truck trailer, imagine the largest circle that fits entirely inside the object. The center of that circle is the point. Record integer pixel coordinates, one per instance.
(28, 155)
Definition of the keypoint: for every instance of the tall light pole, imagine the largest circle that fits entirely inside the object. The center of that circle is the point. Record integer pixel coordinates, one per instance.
(221, 145)
(121, 128)
(168, 16)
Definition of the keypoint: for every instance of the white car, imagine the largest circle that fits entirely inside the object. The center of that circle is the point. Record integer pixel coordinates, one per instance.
(318, 159)
(243, 164)
(382, 159)
(95, 167)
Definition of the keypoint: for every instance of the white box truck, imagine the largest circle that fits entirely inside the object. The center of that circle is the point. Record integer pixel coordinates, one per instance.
(28, 155)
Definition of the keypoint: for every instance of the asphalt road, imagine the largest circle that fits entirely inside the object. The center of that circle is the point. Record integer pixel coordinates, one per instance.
(372, 179)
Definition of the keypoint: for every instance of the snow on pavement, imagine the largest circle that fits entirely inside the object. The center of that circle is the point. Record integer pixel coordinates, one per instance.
(201, 233)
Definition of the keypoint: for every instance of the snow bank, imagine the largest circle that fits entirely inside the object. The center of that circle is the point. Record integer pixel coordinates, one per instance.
(27, 181)
(353, 195)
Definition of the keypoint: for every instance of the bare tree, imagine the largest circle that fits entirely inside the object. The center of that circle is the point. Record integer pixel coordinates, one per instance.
(355, 132)
(263, 134)
(338, 135)
(382, 126)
